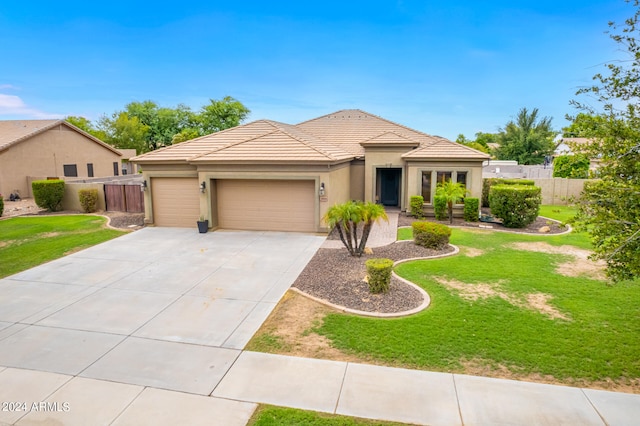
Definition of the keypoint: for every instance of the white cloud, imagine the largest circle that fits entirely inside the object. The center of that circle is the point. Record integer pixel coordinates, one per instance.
(14, 106)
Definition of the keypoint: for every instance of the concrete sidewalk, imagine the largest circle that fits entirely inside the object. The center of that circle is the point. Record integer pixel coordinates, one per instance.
(382, 393)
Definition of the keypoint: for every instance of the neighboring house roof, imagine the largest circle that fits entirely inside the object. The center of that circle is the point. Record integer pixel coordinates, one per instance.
(333, 138)
(13, 132)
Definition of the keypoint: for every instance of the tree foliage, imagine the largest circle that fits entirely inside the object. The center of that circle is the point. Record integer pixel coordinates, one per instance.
(610, 208)
(527, 140)
(348, 217)
(574, 166)
(479, 144)
(146, 126)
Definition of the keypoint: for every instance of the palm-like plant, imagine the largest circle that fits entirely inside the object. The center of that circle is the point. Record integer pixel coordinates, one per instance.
(347, 216)
(452, 192)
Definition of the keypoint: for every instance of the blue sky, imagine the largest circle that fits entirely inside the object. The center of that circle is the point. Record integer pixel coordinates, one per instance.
(441, 67)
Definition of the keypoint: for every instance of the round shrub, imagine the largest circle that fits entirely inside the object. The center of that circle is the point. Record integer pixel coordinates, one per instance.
(431, 235)
(48, 193)
(471, 209)
(516, 205)
(440, 207)
(379, 273)
(88, 200)
(416, 202)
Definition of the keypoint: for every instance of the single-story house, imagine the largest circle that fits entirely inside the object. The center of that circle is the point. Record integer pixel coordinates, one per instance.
(267, 175)
(40, 149)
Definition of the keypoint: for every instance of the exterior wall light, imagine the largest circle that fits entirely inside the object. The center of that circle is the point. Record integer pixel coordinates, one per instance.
(143, 187)
(203, 186)
(321, 191)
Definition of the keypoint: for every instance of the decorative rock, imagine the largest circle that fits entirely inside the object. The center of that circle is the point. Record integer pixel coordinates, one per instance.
(367, 250)
(544, 230)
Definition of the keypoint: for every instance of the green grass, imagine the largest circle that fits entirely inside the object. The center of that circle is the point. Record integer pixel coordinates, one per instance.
(277, 416)
(599, 341)
(26, 242)
(557, 212)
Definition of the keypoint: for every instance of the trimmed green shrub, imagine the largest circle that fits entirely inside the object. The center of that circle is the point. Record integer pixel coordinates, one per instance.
(379, 273)
(571, 166)
(88, 200)
(48, 193)
(516, 205)
(1, 205)
(489, 182)
(416, 202)
(440, 207)
(431, 235)
(471, 209)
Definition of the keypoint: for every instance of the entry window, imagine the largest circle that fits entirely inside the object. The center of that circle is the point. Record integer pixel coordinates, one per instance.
(426, 186)
(115, 168)
(70, 170)
(90, 169)
(443, 177)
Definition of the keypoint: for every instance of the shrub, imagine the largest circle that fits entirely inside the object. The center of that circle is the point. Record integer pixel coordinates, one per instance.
(471, 209)
(88, 200)
(379, 273)
(431, 235)
(489, 182)
(1, 205)
(571, 166)
(440, 207)
(516, 205)
(48, 193)
(416, 202)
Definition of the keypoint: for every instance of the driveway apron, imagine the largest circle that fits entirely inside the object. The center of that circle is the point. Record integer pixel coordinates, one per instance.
(162, 307)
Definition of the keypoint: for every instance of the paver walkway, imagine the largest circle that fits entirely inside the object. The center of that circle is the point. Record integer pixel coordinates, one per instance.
(382, 233)
(148, 329)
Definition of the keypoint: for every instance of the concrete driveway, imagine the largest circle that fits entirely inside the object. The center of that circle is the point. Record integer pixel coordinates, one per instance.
(164, 308)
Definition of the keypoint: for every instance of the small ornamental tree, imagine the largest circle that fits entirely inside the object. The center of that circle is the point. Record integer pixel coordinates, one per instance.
(452, 192)
(347, 218)
(48, 193)
(516, 205)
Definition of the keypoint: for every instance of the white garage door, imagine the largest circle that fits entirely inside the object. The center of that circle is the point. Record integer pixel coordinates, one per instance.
(176, 201)
(267, 205)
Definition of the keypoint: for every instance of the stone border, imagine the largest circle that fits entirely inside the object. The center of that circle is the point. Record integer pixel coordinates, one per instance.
(425, 296)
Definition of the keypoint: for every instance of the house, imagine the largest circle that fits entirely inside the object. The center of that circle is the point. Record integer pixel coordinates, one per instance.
(39, 149)
(570, 146)
(267, 175)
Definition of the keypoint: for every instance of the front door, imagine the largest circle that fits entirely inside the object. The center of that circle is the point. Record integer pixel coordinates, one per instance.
(390, 186)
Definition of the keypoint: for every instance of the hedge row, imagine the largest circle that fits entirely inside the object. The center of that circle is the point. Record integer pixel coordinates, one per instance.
(489, 182)
(516, 205)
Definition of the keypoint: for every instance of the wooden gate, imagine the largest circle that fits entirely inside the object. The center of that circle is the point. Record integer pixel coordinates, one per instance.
(124, 198)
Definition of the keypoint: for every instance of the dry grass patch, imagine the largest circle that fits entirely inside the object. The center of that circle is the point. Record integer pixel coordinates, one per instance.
(581, 265)
(471, 251)
(534, 301)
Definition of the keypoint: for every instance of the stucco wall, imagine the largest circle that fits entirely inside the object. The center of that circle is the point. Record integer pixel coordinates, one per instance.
(46, 154)
(71, 199)
(357, 180)
(382, 157)
(473, 169)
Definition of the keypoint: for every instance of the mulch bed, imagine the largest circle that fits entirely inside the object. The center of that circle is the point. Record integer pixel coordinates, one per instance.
(337, 277)
(533, 228)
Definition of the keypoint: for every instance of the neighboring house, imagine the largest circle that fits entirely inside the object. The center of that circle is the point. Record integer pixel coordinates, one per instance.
(569, 146)
(267, 175)
(41, 149)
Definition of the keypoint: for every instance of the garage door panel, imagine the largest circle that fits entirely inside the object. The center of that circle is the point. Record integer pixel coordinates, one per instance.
(176, 201)
(267, 205)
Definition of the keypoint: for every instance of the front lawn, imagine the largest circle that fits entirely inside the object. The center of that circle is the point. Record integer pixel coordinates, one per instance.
(507, 306)
(26, 242)
(277, 416)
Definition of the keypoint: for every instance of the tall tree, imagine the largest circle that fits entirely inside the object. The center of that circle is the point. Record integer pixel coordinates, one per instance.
(610, 208)
(86, 125)
(527, 139)
(220, 115)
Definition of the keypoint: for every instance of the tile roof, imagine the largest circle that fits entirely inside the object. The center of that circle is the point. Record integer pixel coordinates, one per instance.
(16, 131)
(332, 138)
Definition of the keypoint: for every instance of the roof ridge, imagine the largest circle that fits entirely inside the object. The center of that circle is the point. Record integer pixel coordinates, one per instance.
(232, 144)
(384, 132)
(309, 143)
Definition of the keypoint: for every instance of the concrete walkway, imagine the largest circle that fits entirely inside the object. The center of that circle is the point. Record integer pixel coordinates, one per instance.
(148, 329)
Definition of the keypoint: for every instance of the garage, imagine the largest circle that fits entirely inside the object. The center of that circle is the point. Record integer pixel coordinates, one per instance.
(176, 201)
(267, 205)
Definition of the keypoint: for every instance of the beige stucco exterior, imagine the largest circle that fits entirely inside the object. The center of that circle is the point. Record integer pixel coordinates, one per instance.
(46, 153)
(348, 155)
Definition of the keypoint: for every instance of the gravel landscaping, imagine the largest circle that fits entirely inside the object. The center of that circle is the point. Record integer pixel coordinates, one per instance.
(337, 277)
